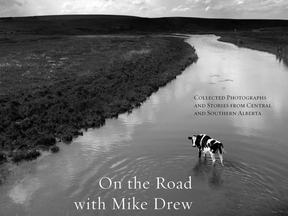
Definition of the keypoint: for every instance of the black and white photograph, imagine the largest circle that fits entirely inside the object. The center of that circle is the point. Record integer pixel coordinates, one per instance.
(143, 107)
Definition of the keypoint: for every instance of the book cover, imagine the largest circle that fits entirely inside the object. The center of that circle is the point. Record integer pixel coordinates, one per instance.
(146, 110)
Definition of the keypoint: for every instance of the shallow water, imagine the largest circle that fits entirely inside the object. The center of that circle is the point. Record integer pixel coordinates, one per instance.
(152, 142)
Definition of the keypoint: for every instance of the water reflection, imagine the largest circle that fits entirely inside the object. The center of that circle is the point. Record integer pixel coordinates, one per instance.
(22, 192)
(215, 181)
(204, 169)
(200, 168)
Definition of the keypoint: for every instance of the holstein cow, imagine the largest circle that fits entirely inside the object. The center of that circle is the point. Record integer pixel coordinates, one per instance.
(206, 144)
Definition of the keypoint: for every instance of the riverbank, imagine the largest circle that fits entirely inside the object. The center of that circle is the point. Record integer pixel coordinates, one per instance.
(54, 87)
(272, 40)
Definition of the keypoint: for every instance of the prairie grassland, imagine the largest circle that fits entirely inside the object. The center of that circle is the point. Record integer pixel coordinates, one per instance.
(271, 39)
(54, 87)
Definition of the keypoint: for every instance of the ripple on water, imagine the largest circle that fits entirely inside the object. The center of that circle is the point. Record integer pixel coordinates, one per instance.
(255, 189)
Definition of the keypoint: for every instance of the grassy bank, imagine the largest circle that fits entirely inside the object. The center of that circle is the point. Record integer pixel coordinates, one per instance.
(53, 87)
(273, 40)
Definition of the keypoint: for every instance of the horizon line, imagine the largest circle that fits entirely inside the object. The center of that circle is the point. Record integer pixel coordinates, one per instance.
(121, 15)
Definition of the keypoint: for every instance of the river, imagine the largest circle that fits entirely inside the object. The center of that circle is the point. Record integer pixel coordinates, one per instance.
(143, 164)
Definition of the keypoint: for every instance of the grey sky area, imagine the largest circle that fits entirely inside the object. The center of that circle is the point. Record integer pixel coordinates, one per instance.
(260, 9)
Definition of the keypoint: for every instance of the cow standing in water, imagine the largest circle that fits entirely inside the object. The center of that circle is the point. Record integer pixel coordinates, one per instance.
(206, 144)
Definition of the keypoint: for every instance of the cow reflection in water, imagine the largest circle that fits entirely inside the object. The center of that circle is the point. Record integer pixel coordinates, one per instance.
(203, 170)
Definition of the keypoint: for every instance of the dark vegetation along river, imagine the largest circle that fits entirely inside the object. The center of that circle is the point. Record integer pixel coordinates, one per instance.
(53, 87)
(129, 157)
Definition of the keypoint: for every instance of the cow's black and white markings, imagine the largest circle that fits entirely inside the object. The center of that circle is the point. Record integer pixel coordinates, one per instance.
(206, 144)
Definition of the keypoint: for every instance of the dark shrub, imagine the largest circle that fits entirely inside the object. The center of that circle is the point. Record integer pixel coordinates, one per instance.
(47, 140)
(77, 133)
(54, 149)
(25, 155)
(33, 154)
(2, 157)
(67, 138)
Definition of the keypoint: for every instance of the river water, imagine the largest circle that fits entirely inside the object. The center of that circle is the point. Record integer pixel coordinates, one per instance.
(146, 157)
